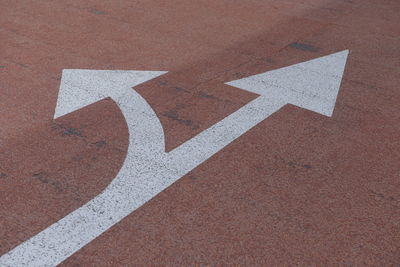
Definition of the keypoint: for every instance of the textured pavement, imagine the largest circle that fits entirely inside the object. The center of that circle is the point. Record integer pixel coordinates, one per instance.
(299, 189)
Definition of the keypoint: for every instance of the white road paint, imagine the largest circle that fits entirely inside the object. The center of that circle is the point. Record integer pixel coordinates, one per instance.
(148, 169)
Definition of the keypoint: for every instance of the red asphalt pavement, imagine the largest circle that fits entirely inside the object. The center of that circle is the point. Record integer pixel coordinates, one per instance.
(299, 189)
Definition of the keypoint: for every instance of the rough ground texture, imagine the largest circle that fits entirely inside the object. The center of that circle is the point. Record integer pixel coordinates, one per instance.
(298, 189)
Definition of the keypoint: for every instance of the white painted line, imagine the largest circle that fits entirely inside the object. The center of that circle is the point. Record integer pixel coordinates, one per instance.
(148, 169)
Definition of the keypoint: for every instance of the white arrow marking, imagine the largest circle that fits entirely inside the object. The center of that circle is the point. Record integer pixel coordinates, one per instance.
(148, 169)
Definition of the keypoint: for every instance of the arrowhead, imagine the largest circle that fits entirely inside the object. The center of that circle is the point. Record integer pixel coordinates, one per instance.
(312, 85)
(80, 88)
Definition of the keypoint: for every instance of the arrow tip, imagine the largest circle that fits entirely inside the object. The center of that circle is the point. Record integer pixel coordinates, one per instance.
(312, 85)
(80, 88)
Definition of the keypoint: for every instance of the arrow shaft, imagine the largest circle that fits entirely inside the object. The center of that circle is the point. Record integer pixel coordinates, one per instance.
(201, 147)
(65, 237)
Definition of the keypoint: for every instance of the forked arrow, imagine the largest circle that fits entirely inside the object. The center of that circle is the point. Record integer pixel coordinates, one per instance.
(148, 169)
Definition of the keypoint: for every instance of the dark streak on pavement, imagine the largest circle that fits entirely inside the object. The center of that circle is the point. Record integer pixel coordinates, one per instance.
(294, 164)
(55, 184)
(304, 47)
(202, 94)
(174, 116)
(67, 131)
(182, 89)
(96, 11)
(100, 144)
